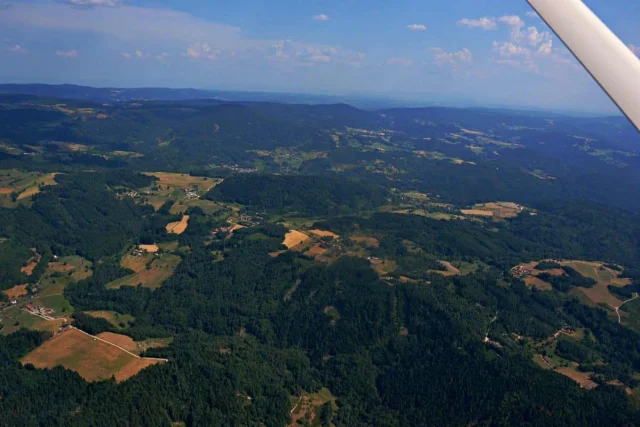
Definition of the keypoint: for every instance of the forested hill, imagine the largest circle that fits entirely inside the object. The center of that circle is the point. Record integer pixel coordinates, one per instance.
(462, 155)
(308, 195)
(210, 263)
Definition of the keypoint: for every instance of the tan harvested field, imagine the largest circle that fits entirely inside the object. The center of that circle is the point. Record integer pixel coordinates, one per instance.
(276, 254)
(534, 282)
(324, 233)
(91, 357)
(178, 227)
(372, 242)
(32, 263)
(316, 250)
(120, 340)
(179, 180)
(44, 180)
(294, 238)
(149, 248)
(136, 263)
(6, 190)
(16, 291)
(476, 212)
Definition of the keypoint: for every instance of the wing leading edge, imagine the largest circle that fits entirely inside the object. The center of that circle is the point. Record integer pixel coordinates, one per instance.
(599, 50)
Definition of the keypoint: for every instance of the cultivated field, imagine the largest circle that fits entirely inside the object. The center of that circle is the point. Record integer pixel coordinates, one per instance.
(315, 251)
(168, 246)
(23, 184)
(178, 227)
(135, 347)
(91, 357)
(16, 291)
(534, 282)
(497, 210)
(149, 248)
(450, 269)
(136, 263)
(476, 212)
(153, 277)
(294, 238)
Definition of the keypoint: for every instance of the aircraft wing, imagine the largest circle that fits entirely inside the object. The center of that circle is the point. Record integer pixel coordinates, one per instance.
(601, 52)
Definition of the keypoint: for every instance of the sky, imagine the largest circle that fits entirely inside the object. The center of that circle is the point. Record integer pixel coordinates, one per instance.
(489, 52)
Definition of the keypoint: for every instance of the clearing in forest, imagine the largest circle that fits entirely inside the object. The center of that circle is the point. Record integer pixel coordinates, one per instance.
(91, 357)
(32, 263)
(582, 378)
(178, 227)
(315, 251)
(306, 409)
(369, 241)
(119, 321)
(534, 282)
(324, 233)
(16, 291)
(151, 277)
(294, 238)
(78, 267)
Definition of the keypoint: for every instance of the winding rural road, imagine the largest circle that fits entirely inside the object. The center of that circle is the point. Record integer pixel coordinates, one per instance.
(618, 307)
(110, 343)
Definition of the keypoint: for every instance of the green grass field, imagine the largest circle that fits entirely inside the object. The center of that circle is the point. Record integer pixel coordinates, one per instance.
(59, 303)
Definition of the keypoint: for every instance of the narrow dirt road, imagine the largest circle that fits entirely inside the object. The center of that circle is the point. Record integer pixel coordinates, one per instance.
(618, 307)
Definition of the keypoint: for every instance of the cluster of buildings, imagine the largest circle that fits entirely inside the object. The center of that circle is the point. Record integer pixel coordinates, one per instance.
(239, 169)
(39, 310)
(191, 194)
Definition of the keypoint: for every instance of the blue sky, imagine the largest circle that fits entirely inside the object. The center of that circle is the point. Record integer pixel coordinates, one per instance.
(490, 52)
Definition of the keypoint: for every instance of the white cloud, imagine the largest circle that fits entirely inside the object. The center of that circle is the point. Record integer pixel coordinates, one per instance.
(107, 3)
(417, 27)
(201, 51)
(533, 14)
(483, 23)
(515, 23)
(546, 47)
(18, 49)
(139, 54)
(535, 37)
(508, 49)
(304, 54)
(400, 61)
(441, 57)
(321, 17)
(69, 54)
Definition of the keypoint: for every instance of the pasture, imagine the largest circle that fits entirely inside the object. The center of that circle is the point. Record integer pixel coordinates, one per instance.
(152, 277)
(91, 357)
(15, 318)
(32, 263)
